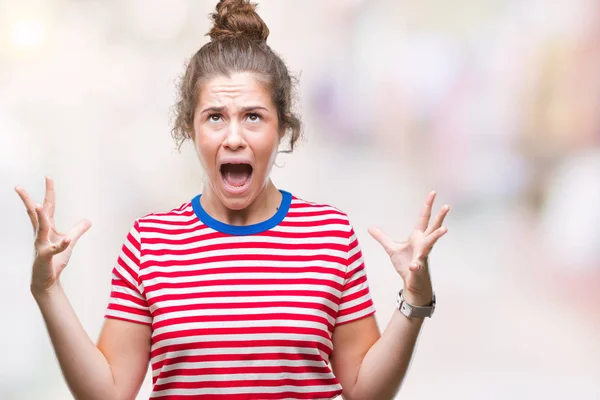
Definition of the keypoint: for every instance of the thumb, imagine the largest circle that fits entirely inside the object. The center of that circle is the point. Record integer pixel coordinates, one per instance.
(384, 240)
(417, 264)
(78, 230)
(59, 247)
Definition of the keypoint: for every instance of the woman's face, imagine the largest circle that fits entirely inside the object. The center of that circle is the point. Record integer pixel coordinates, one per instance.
(236, 134)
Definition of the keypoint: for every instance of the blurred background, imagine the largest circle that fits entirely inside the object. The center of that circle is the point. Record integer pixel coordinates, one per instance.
(495, 104)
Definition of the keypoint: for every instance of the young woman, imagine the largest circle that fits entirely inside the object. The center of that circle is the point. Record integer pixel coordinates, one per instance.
(246, 291)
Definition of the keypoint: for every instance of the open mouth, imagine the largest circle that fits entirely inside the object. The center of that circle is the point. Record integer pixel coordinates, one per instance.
(236, 176)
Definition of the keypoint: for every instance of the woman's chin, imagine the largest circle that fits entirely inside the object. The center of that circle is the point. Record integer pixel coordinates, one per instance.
(236, 204)
(235, 198)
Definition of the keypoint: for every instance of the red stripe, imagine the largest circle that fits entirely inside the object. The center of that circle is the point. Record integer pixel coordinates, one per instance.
(242, 370)
(237, 282)
(244, 293)
(351, 297)
(246, 257)
(246, 270)
(354, 257)
(255, 396)
(354, 282)
(356, 308)
(246, 383)
(246, 330)
(248, 245)
(228, 306)
(128, 297)
(131, 273)
(325, 234)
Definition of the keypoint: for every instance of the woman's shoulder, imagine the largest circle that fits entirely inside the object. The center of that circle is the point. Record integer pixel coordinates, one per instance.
(182, 213)
(300, 206)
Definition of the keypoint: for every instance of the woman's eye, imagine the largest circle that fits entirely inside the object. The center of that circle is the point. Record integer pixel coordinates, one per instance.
(214, 117)
(253, 117)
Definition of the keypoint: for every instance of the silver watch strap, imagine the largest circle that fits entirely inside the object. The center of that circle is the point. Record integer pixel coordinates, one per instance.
(410, 310)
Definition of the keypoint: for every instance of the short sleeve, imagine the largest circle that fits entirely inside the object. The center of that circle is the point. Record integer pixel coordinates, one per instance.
(356, 301)
(127, 301)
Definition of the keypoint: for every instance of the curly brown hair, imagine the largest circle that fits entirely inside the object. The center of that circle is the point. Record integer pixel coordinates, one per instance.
(238, 44)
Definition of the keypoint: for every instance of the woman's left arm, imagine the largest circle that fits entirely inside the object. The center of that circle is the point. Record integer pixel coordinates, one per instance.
(372, 366)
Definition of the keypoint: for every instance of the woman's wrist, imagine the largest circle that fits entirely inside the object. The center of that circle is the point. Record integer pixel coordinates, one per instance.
(419, 299)
(41, 294)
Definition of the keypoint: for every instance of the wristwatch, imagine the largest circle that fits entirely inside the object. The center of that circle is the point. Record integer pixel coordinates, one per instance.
(415, 311)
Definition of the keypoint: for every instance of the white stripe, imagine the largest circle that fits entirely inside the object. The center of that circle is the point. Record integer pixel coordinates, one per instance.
(191, 223)
(126, 290)
(314, 218)
(354, 265)
(354, 302)
(234, 351)
(179, 218)
(196, 232)
(355, 315)
(311, 228)
(135, 317)
(126, 274)
(243, 311)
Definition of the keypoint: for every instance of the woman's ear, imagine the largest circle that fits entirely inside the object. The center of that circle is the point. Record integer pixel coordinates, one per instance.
(284, 125)
(190, 132)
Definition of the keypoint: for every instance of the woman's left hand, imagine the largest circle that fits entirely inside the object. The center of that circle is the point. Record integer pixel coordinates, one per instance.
(410, 258)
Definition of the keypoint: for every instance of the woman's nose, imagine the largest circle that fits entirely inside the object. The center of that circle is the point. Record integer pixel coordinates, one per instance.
(234, 138)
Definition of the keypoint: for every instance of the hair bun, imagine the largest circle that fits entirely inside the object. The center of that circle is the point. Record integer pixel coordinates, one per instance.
(235, 18)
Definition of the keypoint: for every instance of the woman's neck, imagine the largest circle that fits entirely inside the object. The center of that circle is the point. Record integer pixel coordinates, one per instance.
(264, 206)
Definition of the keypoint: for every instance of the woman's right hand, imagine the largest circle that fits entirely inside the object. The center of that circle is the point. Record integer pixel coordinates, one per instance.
(52, 249)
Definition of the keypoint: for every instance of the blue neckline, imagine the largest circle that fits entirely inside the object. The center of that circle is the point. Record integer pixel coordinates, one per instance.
(253, 229)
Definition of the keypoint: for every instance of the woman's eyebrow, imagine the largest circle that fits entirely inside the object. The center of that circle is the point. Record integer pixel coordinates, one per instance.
(243, 109)
(252, 108)
(213, 109)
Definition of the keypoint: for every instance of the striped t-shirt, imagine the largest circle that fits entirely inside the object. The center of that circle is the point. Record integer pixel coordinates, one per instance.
(242, 312)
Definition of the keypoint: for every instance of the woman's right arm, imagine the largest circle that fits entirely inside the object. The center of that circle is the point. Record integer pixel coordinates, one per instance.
(113, 370)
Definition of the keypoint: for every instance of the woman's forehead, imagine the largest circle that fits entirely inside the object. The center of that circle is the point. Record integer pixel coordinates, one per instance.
(243, 89)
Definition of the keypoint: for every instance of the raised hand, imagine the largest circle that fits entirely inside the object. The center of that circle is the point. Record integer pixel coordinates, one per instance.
(52, 249)
(410, 258)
